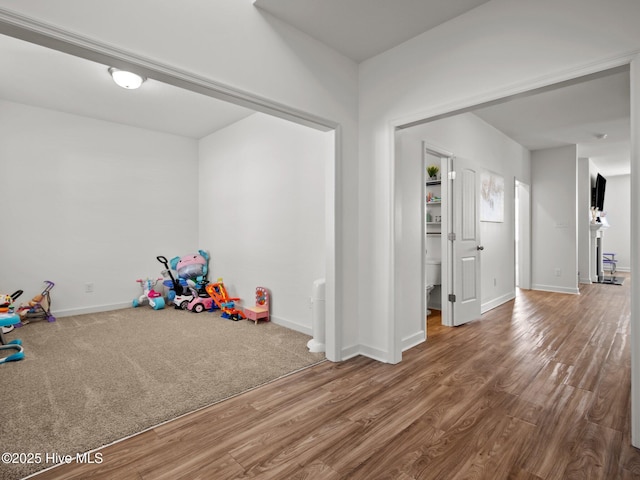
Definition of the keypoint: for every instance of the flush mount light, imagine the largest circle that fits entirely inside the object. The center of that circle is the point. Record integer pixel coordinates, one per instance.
(126, 79)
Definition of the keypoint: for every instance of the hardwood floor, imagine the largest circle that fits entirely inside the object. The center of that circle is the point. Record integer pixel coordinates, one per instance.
(539, 388)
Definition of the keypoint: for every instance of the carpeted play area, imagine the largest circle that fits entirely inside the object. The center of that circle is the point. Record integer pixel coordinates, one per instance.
(89, 380)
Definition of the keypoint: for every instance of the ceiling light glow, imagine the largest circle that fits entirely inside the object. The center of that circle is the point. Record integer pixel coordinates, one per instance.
(125, 79)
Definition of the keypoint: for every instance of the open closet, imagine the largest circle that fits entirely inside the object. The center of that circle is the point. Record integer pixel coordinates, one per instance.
(434, 212)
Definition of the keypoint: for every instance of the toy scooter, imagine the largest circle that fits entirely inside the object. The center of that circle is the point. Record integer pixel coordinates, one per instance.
(178, 293)
(179, 289)
(149, 294)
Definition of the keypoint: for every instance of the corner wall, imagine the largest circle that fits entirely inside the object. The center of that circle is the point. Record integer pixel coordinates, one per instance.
(262, 212)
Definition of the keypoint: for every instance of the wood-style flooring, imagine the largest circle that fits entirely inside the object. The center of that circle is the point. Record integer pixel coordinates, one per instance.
(539, 388)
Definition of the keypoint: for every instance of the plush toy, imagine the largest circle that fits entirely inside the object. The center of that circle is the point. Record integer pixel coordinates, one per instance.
(193, 267)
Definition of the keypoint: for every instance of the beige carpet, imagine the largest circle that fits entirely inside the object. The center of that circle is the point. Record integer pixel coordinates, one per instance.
(89, 380)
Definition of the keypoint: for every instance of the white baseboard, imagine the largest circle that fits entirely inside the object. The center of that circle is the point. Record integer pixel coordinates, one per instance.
(350, 352)
(413, 340)
(94, 309)
(119, 306)
(555, 289)
(496, 302)
(292, 325)
(374, 353)
(365, 351)
(586, 281)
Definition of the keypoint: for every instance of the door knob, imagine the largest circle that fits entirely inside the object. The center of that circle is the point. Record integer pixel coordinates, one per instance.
(480, 247)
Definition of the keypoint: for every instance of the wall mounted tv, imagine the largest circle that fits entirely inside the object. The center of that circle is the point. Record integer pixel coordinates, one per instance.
(597, 199)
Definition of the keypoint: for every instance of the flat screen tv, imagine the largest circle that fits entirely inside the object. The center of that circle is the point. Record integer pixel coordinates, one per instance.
(598, 192)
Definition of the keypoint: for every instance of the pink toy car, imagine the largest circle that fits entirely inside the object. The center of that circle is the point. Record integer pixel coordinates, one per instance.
(200, 304)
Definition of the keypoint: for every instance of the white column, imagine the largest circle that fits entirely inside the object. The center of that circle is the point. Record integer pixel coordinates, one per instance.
(635, 256)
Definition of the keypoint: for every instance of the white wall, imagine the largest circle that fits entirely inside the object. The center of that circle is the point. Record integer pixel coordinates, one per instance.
(617, 206)
(90, 201)
(465, 136)
(262, 217)
(554, 245)
(236, 44)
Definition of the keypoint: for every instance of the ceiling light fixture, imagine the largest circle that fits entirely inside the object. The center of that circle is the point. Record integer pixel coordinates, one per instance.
(125, 79)
(601, 136)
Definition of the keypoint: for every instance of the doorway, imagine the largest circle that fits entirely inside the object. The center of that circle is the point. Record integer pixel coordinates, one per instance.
(451, 236)
(164, 77)
(435, 227)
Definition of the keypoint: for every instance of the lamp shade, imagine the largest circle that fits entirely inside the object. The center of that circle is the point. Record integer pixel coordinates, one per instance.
(126, 79)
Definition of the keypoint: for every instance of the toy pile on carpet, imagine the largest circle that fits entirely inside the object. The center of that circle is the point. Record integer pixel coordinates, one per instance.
(185, 277)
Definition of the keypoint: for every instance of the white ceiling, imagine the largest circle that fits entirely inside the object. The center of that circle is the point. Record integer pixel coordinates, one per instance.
(360, 29)
(573, 115)
(42, 77)
(38, 76)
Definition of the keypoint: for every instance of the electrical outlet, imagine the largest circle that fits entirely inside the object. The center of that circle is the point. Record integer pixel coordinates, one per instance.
(495, 282)
(558, 272)
(88, 287)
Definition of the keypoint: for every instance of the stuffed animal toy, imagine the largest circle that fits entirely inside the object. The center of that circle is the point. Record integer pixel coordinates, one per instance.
(192, 267)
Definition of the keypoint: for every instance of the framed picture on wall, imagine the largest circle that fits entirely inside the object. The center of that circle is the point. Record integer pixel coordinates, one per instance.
(491, 197)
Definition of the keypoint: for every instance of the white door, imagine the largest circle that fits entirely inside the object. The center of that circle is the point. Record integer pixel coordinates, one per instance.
(466, 248)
